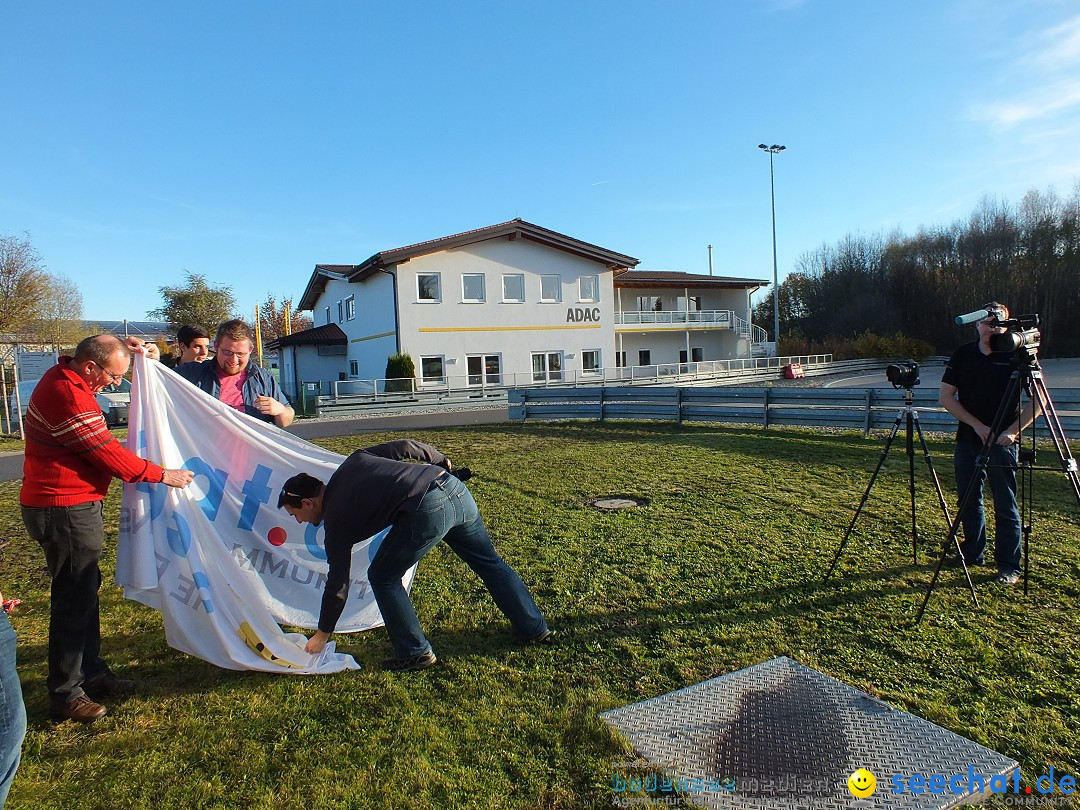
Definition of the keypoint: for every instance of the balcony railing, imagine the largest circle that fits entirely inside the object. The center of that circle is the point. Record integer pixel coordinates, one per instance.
(719, 318)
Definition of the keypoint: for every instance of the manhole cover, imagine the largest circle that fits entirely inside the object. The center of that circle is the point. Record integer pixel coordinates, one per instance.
(612, 503)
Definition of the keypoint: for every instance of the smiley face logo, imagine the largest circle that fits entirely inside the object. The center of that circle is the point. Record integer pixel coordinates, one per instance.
(861, 783)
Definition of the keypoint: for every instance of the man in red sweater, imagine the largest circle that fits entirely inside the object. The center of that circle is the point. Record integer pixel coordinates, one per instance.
(71, 458)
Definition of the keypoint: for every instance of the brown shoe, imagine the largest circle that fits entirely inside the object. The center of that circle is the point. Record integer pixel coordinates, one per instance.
(82, 709)
(108, 685)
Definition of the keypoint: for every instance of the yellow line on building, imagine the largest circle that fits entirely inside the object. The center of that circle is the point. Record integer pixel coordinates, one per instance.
(506, 328)
(372, 337)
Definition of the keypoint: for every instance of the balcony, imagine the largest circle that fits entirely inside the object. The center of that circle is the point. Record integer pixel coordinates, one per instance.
(676, 319)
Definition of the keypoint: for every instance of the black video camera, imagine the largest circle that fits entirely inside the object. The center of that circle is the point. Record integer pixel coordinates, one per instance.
(903, 375)
(1021, 336)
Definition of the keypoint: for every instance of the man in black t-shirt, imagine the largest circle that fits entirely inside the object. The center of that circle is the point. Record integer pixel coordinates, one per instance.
(973, 387)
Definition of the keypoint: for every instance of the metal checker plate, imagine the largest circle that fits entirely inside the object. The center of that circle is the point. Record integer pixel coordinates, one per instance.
(789, 736)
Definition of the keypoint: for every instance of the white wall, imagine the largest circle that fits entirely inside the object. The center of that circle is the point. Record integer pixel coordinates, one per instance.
(454, 328)
(370, 332)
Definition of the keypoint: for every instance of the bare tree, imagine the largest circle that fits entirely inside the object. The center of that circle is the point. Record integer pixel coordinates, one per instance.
(22, 283)
(60, 311)
(272, 318)
(196, 303)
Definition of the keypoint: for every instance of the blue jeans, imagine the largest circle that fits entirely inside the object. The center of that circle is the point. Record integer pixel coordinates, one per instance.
(1001, 472)
(446, 512)
(12, 710)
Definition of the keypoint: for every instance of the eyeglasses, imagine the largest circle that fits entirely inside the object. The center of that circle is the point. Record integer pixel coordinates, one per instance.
(114, 377)
(237, 355)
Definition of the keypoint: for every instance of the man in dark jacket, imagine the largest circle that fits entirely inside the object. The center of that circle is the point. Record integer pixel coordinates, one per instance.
(423, 504)
(236, 381)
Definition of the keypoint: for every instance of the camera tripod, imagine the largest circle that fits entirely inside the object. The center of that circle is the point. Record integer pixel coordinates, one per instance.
(1027, 377)
(909, 417)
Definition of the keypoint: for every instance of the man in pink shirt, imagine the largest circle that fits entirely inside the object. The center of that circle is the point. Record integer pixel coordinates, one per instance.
(232, 378)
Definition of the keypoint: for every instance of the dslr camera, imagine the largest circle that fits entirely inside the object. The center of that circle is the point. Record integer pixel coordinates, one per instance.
(903, 375)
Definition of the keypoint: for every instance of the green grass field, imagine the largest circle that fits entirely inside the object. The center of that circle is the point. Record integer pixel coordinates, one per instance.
(720, 570)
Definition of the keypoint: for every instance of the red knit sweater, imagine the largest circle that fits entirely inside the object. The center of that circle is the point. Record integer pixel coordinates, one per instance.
(71, 457)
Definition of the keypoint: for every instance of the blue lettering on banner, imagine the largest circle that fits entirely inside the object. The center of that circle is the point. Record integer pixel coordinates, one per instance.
(203, 584)
(256, 493)
(210, 502)
(311, 538)
(180, 537)
(157, 493)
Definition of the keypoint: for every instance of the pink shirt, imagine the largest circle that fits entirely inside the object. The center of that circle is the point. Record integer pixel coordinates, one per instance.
(232, 388)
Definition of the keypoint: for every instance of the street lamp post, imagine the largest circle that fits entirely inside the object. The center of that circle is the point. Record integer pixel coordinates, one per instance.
(775, 149)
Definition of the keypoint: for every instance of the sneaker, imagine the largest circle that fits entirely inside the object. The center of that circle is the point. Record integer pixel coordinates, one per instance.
(106, 684)
(82, 709)
(544, 637)
(412, 664)
(1007, 578)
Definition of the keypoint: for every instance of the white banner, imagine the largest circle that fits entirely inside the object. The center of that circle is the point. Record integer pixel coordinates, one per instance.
(220, 561)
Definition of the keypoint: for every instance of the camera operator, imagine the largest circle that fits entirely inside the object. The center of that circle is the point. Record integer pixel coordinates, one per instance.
(973, 387)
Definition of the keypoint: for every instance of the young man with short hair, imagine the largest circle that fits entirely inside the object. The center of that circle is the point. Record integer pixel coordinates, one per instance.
(194, 343)
(423, 504)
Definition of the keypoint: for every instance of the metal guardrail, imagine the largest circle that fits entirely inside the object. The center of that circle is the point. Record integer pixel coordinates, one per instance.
(850, 408)
(372, 396)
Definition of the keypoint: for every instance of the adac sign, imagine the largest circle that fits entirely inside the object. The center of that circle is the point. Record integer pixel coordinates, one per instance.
(583, 314)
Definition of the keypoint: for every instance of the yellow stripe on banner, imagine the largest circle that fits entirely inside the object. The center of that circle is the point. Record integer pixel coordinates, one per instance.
(255, 644)
(506, 328)
(373, 337)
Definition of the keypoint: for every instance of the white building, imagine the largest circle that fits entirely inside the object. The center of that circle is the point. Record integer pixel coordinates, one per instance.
(510, 304)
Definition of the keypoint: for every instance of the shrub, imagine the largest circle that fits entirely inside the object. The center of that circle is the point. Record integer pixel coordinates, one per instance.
(400, 372)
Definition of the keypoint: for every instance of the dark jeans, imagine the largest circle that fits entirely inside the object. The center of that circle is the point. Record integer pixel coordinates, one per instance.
(1000, 470)
(72, 537)
(447, 512)
(12, 710)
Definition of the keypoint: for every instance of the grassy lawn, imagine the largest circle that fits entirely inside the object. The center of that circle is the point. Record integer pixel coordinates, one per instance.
(722, 569)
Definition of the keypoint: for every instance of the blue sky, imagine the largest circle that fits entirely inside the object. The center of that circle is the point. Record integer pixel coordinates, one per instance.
(249, 141)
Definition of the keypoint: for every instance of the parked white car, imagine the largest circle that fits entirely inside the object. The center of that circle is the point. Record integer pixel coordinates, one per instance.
(114, 400)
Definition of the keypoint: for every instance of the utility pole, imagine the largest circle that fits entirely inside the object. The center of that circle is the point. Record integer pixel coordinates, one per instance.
(775, 149)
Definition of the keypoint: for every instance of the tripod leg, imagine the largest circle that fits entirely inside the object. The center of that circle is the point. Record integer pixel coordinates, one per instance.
(944, 511)
(866, 494)
(1012, 394)
(910, 449)
(1057, 433)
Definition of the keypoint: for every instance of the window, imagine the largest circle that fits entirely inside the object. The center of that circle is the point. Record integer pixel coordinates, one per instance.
(514, 288)
(484, 369)
(649, 303)
(644, 357)
(696, 354)
(432, 370)
(350, 307)
(328, 315)
(590, 361)
(620, 359)
(472, 288)
(551, 288)
(589, 288)
(340, 312)
(547, 366)
(331, 351)
(429, 287)
(354, 368)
